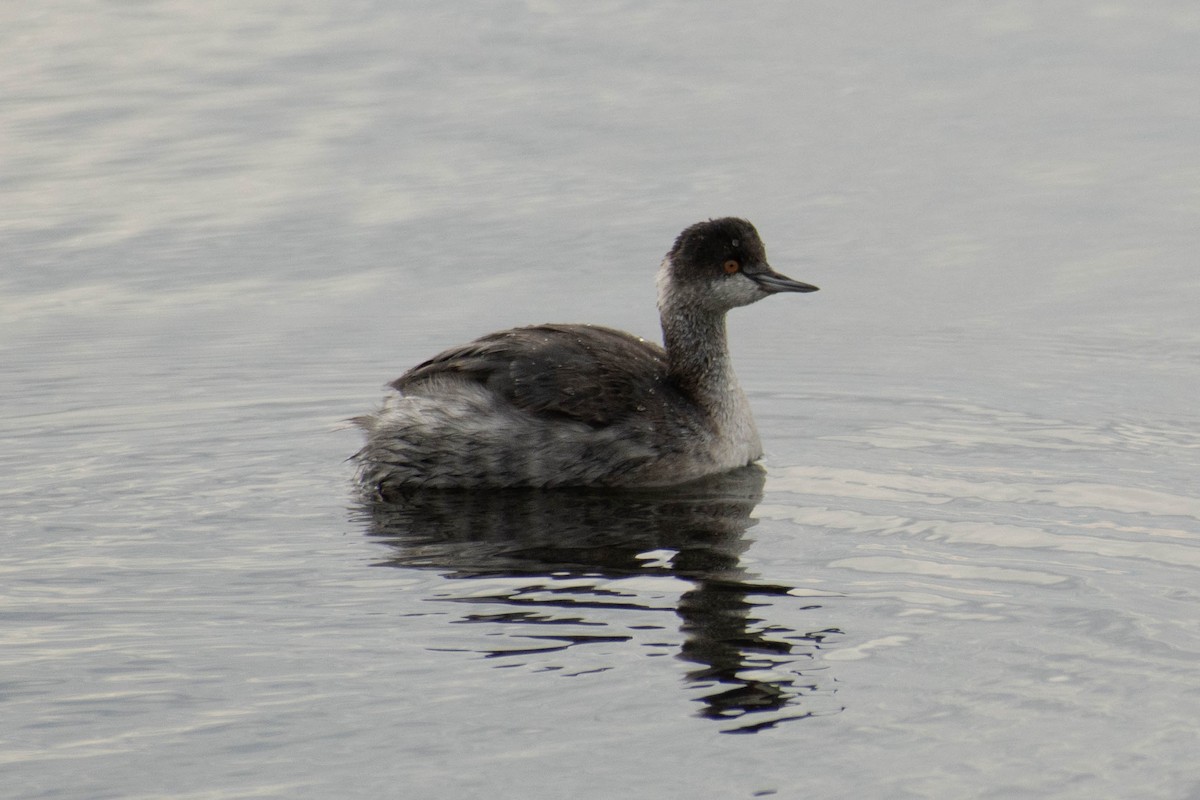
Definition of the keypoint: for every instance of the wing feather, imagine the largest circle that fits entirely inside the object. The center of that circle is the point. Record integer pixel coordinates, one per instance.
(587, 373)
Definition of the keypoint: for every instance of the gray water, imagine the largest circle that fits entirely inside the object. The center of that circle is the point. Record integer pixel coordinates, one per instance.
(970, 570)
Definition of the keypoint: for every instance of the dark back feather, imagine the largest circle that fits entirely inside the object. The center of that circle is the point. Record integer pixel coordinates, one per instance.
(588, 373)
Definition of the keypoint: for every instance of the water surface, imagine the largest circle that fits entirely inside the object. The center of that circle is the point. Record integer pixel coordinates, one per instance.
(968, 570)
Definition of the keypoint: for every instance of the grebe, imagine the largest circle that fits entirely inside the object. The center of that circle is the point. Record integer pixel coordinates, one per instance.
(582, 405)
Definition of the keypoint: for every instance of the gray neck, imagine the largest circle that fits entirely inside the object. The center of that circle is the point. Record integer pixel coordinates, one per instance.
(698, 355)
(698, 360)
(694, 338)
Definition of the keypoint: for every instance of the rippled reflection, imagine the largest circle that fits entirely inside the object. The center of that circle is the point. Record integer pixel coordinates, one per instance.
(554, 570)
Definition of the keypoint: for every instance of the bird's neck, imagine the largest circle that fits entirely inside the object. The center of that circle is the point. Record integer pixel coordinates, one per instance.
(698, 354)
(699, 364)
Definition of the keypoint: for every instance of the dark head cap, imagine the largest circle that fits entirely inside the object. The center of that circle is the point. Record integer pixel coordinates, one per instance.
(712, 243)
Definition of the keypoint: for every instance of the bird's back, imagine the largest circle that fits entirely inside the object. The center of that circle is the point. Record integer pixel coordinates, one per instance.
(587, 373)
(546, 405)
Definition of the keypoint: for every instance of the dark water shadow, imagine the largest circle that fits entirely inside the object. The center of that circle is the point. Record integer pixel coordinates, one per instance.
(747, 670)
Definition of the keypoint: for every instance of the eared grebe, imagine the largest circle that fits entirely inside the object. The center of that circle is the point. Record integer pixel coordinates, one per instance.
(583, 405)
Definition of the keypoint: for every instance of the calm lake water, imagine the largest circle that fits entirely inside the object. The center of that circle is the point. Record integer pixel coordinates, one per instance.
(971, 567)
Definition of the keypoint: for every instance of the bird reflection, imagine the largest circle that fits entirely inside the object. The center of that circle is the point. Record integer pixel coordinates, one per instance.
(563, 553)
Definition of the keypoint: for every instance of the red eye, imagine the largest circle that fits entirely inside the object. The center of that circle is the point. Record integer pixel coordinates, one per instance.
(731, 267)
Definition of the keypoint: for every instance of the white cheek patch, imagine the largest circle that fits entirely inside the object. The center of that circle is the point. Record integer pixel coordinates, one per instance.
(737, 290)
